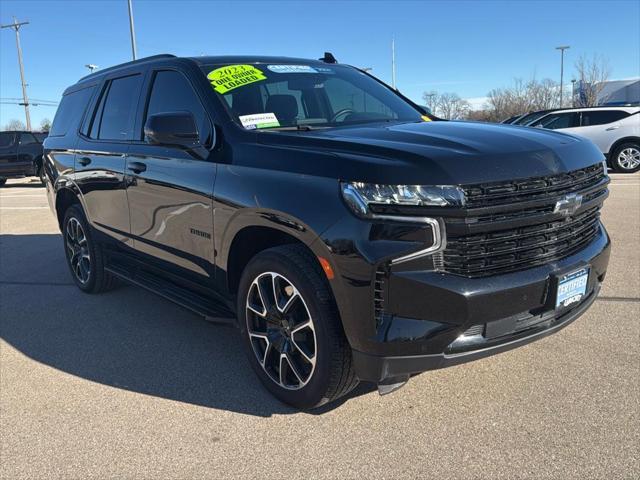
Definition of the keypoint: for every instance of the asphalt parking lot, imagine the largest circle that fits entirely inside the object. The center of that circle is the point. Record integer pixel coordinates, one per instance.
(128, 385)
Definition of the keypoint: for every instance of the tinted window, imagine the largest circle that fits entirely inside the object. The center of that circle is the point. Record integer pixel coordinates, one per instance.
(70, 111)
(40, 136)
(6, 139)
(27, 138)
(558, 120)
(172, 92)
(602, 117)
(115, 114)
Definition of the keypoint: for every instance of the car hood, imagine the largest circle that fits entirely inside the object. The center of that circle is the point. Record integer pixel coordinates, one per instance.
(428, 153)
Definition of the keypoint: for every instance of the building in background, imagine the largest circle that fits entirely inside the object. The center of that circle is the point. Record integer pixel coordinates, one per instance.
(614, 92)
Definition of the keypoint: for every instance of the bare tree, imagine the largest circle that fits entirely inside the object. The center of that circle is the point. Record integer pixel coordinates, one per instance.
(592, 74)
(430, 100)
(522, 97)
(45, 125)
(451, 106)
(15, 124)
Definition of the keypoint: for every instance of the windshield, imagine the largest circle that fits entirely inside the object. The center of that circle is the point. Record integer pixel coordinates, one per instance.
(287, 96)
(531, 117)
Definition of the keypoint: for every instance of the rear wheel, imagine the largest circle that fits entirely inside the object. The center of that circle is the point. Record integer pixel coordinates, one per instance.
(41, 174)
(626, 158)
(291, 328)
(85, 257)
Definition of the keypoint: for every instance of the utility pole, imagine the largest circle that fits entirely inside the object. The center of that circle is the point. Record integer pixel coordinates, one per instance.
(132, 31)
(573, 92)
(562, 49)
(393, 62)
(25, 100)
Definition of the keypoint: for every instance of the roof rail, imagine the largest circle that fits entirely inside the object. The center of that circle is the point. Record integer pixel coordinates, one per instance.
(133, 62)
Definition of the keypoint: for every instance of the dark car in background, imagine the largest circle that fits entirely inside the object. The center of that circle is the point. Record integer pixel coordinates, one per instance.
(21, 154)
(347, 236)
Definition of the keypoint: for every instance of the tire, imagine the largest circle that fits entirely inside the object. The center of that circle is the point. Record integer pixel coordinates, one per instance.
(2, 182)
(317, 367)
(41, 174)
(85, 257)
(625, 158)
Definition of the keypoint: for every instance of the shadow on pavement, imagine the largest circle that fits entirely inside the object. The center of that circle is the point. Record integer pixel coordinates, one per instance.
(35, 183)
(127, 338)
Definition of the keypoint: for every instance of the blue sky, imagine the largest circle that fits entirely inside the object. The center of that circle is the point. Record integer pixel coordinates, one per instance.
(465, 47)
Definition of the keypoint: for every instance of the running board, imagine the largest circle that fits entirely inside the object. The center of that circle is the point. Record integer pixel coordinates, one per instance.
(211, 310)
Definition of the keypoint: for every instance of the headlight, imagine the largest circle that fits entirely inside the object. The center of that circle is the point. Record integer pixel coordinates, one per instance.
(362, 196)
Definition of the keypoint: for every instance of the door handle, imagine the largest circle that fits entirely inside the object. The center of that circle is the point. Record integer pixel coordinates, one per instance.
(613, 128)
(84, 161)
(137, 167)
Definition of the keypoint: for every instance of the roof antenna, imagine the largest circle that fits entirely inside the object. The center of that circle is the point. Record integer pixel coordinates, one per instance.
(328, 58)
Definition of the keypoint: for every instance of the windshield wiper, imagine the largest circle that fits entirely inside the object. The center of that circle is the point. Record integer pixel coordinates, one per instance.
(294, 128)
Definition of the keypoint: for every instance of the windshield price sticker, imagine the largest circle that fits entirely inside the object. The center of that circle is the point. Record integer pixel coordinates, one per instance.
(259, 120)
(292, 69)
(225, 79)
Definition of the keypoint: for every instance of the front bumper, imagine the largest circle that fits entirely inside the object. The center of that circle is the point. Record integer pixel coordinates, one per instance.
(428, 313)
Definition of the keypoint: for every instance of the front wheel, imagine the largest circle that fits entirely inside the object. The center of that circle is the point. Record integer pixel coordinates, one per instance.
(291, 328)
(626, 158)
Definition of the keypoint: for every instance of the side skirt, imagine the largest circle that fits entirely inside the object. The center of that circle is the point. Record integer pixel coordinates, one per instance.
(212, 309)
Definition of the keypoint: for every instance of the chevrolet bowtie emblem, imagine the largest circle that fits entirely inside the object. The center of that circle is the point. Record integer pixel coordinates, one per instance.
(568, 205)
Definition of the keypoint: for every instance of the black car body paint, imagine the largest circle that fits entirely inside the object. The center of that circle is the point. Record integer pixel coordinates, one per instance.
(186, 213)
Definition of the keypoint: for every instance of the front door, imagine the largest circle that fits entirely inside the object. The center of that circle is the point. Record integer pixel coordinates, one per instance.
(170, 189)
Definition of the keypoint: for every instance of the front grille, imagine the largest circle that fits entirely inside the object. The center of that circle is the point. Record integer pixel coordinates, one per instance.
(492, 194)
(512, 238)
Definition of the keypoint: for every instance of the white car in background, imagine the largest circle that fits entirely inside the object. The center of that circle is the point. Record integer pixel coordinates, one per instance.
(615, 130)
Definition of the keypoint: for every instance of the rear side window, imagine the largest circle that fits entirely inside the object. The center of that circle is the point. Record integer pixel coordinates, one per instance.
(70, 111)
(602, 117)
(172, 92)
(113, 119)
(40, 136)
(6, 139)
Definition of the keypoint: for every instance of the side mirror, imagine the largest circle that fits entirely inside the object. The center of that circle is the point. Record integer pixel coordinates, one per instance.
(176, 129)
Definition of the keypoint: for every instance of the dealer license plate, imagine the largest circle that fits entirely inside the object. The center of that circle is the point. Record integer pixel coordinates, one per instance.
(572, 287)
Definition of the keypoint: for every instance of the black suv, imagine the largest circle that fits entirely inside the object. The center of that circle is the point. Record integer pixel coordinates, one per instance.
(348, 236)
(21, 155)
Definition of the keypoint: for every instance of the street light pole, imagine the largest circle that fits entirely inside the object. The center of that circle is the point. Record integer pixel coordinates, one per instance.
(562, 49)
(132, 31)
(573, 92)
(25, 100)
(393, 63)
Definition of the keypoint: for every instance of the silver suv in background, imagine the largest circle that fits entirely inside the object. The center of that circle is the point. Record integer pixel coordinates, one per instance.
(614, 130)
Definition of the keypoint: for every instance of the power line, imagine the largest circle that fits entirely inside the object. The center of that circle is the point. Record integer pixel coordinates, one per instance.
(25, 100)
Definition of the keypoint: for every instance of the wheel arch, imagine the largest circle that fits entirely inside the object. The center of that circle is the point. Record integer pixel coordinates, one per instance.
(254, 232)
(620, 141)
(65, 197)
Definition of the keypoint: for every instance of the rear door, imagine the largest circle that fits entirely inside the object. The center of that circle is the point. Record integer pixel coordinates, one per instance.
(101, 155)
(8, 153)
(170, 189)
(601, 127)
(28, 150)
